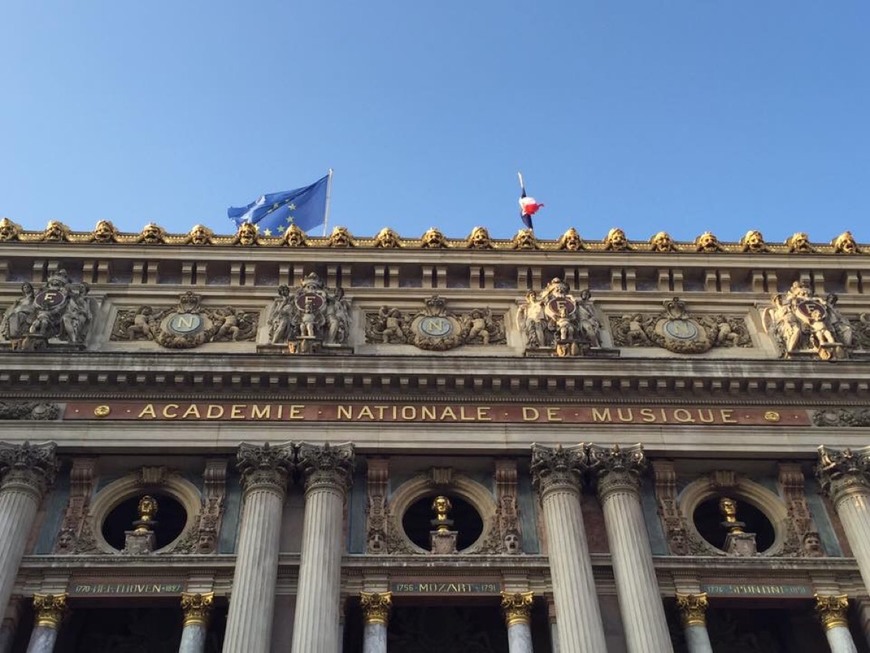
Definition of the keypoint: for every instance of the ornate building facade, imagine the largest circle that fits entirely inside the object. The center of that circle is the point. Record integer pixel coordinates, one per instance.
(251, 444)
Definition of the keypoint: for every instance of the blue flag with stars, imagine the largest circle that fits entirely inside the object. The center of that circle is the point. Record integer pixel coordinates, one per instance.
(273, 213)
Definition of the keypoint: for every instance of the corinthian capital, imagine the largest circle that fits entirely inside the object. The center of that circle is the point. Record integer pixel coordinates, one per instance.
(556, 467)
(266, 467)
(28, 466)
(693, 608)
(832, 610)
(196, 607)
(49, 609)
(841, 473)
(327, 465)
(517, 607)
(376, 607)
(617, 468)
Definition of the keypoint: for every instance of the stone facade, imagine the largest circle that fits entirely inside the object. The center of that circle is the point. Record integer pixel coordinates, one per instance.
(626, 433)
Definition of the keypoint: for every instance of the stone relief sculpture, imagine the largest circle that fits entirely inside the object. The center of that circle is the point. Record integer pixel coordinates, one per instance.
(662, 242)
(309, 316)
(708, 243)
(558, 321)
(246, 236)
(387, 239)
(104, 232)
(753, 242)
(845, 244)
(675, 330)
(433, 239)
(435, 328)
(61, 310)
(800, 322)
(525, 239)
(188, 324)
(341, 237)
(9, 230)
(294, 237)
(56, 231)
(799, 243)
(479, 239)
(616, 241)
(199, 235)
(570, 241)
(152, 234)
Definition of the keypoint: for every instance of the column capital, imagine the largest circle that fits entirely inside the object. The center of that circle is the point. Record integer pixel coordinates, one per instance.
(376, 606)
(557, 468)
(517, 607)
(49, 609)
(327, 465)
(267, 467)
(617, 468)
(29, 467)
(196, 607)
(843, 472)
(693, 608)
(831, 610)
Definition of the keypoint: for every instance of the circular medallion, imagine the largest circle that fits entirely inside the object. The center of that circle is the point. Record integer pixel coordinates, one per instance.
(437, 327)
(184, 323)
(772, 416)
(102, 411)
(561, 306)
(680, 329)
(48, 299)
(309, 299)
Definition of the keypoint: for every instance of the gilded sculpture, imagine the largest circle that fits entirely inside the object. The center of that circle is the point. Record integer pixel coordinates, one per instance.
(341, 237)
(845, 244)
(246, 236)
(525, 239)
(801, 322)
(387, 239)
(188, 324)
(308, 316)
(294, 237)
(9, 230)
(152, 234)
(799, 243)
(61, 311)
(104, 232)
(433, 239)
(435, 328)
(199, 235)
(479, 239)
(616, 241)
(557, 321)
(56, 231)
(570, 241)
(662, 242)
(753, 242)
(708, 243)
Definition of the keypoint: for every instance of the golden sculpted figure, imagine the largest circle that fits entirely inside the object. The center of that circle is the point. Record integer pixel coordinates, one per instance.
(570, 241)
(147, 511)
(708, 243)
(662, 242)
(152, 234)
(56, 231)
(728, 508)
(387, 239)
(295, 237)
(753, 242)
(246, 235)
(9, 230)
(104, 232)
(525, 239)
(616, 241)
(799, 243)
(441, 506)
(478, 239)
(845, 244)
(433, 239)
(340, 237)
(199, 235)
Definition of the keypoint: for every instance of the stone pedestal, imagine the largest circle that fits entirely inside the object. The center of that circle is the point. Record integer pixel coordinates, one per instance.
(252, 603)
(376, 615)
(845, 477)
(443, 542)
(618, 472)
(741, 544)
(556, 475)
(327, 472)
(832, 613)
(197, 609)
(693, 609)
(48, 613)
(517, 610)
(26, 471)
(138, 542)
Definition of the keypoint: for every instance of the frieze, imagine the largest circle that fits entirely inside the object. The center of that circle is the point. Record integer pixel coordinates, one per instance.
(445, 587)
(435, 328)
(757, 590)
(438, 413)
(186, 325)
(29, 410)
(122, 588)
(676, 330)
(842, 417)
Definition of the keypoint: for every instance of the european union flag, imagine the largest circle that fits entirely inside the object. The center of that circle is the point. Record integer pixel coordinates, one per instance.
(273, 213)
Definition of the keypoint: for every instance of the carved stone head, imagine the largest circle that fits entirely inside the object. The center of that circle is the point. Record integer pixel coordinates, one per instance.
(246, 235)
(845, 244)
(387, 239)
(679, 542)
(152, 234)
(433, 239)
(753, 242)
(799, 243)
(708, 243)
(662, 242)
(377, 542)
(56, 231)
(66, 541)
(616, 241)
(295, 237)
(200, 235)
(207, 542)
(340, 237)
(479, 239)
(512, 543)
(9, 230)
(571, 241)
(525, 239)
(104, 232)
(812, 546)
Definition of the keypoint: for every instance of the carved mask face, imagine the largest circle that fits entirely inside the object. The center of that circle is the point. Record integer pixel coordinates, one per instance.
(199, 235)
(152, 233)
(104, 232)
(340, 237)
(679, 545)
(206, 543)
(55, 231)
(571, 240)
(247, 234)
(662, 242)
(616, 240)
(812, 545)
(799, 242)
(387, 238)
(480, 238)
(8, 230)
(845, 243)
(433, 239)
(512, 542)
(525, 239)
(294, 236)
(377, 542)
(707, 242)
(66, 540)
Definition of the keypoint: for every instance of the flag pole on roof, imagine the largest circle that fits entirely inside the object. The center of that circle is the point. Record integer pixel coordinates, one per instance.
(328, 195)
(528, 205)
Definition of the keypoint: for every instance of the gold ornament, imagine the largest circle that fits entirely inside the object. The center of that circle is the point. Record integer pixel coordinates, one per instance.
(196, 607)
(517, 607)
(693, 608)
(376, 607)
(832, 610)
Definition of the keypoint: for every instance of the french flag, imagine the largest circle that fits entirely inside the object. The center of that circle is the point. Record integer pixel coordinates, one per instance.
(528, 205)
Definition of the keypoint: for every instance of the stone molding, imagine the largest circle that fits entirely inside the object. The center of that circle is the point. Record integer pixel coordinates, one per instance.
(197, 608)
(832, 609)
(517, 607)
(29, 410)
(693, 609)
(49, 609)
(376, 607)
(843, 472)
(29, 467)
(266, 467)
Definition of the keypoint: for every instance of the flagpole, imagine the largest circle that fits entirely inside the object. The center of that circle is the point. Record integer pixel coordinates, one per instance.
(328, 195)
(522, 184)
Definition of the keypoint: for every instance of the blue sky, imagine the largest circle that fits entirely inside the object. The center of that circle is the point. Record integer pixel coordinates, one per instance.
(682, 115)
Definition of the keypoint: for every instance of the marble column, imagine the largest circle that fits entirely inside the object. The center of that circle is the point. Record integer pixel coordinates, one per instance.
(376, 615)
(26, 472)
(693, 612)
(832, 613)
(48, 612)
(618, 474)
(845, 477)
(9, 625)
(327, 470)
(264, 471)
(517, 609)
(554, 631)
(197, 609)
(556, 474)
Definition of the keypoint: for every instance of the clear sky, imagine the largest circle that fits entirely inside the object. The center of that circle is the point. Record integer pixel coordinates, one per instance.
(682, 115)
